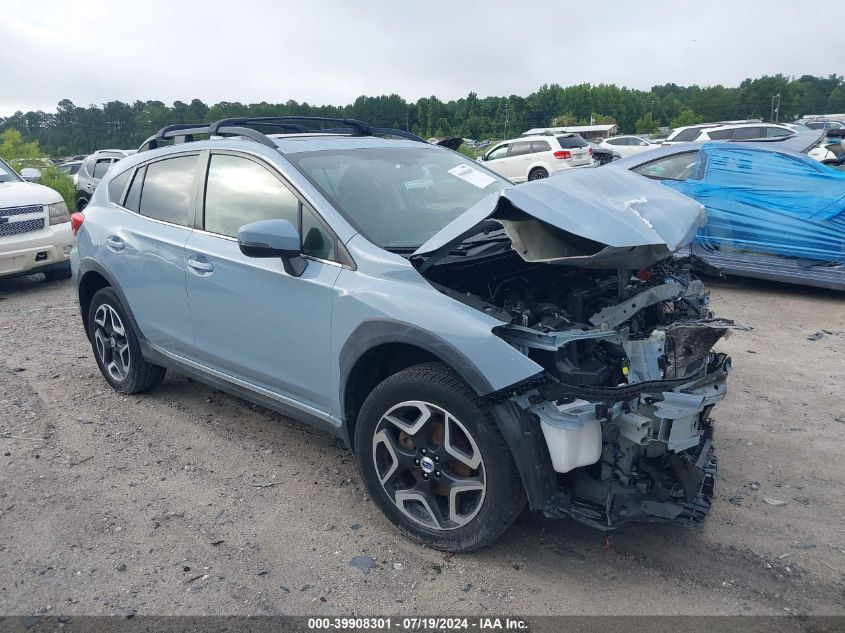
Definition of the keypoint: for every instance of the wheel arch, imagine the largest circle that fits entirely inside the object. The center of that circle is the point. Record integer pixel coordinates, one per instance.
(93, 278)
(378, 349)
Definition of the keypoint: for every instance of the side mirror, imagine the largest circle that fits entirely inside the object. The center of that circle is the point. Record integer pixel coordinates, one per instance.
(30, 175)
(273, 238)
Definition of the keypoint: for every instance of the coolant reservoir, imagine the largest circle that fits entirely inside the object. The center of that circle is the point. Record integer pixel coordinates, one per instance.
(572, 432)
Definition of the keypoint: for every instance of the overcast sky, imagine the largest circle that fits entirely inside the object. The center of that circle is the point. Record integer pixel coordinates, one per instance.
(330, 52)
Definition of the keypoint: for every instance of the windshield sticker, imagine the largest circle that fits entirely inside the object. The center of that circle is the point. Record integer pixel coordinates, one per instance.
(472, 176)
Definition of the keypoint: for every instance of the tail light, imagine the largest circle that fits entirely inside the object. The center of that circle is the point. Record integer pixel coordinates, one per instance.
(590, 151)
(76, 220)
(563, 154)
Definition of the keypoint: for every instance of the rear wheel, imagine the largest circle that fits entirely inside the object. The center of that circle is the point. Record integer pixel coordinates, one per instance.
(538, 173)
(435, 462)
(81, 203)
(116, 347)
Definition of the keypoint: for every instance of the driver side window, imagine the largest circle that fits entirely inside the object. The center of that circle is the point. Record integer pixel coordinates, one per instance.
(239, 191)
(677, 167)
(499, 152)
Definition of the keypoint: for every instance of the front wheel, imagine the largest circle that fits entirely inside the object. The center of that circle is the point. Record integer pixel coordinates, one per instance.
(116, 346)
(435, 462)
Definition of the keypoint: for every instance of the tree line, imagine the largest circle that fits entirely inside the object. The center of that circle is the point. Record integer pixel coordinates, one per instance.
(73, 129)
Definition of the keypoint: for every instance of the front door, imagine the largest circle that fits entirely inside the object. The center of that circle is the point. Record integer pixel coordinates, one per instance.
(252, 321)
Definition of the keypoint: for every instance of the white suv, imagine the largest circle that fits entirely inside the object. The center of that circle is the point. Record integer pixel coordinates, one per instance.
(538, 156)
(627, 145)
(35, 234)
(743, 132)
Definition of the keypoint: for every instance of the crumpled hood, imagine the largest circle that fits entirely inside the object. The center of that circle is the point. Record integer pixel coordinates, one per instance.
(591, 218)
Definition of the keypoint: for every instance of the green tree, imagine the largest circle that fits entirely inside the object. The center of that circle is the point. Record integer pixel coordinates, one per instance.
(13, 147)
(686, 117)
(646, 124)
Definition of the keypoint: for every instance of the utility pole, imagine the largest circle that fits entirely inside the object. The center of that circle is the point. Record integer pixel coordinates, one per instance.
(407, 121)
(775, 108)
(505, 133)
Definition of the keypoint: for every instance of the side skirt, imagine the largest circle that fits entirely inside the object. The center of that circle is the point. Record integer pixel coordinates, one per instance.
(243, 390)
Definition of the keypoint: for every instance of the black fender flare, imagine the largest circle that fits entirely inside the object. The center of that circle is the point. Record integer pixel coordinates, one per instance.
(88, 265)
(520, 429)
(374, 333)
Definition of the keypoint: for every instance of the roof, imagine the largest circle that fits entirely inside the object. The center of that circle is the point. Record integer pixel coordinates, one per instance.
(607, 127)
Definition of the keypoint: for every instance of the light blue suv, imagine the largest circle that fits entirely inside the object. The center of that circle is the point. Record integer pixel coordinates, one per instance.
(477, 345)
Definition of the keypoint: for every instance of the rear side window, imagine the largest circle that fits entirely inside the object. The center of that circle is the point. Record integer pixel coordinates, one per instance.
(133, 196)
(540, 146)
(744, 133)
(117, 185)
(568, 142)
(168, 190)
(101, 167)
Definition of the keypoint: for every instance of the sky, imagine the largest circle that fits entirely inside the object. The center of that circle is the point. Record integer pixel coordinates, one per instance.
(332, 51)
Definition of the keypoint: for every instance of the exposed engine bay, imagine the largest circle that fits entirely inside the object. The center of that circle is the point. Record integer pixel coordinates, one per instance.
(629, 381)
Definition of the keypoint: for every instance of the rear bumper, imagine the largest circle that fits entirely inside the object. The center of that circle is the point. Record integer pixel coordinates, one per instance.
(28, 254)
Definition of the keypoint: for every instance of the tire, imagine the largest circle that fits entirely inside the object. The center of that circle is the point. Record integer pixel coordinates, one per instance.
(81, 203)
(538, 173)
(116, 348)
(57, 274)
(464, 451)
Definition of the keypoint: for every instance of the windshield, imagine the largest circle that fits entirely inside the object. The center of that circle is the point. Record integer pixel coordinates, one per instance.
(7, 174)
(398, 197)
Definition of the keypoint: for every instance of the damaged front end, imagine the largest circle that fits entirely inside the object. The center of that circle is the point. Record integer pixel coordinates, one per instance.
(617, 426)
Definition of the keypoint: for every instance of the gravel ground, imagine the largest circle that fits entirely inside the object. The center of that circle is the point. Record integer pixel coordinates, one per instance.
(188, 501)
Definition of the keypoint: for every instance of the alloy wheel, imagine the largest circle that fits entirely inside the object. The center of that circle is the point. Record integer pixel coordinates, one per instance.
(429, 465)
(111, 342)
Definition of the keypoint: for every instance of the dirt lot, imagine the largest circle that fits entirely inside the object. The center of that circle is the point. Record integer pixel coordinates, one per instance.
(162, 503)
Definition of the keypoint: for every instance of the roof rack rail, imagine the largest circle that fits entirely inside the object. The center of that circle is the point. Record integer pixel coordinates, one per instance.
(242, 126)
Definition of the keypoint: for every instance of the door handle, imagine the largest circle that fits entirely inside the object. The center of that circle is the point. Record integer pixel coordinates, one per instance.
(203, 267)
(115, 243)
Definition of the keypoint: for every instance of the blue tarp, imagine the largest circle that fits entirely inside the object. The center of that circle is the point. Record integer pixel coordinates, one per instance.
(768, 201)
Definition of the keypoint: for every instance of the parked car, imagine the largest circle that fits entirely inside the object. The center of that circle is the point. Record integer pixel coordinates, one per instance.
(743, 132)
(35, 234)
(475, 344)
(603, 155)
(772, 212)
(535, 157)
(689, 133)
(627, 145)
(71, 168)
(92, 170)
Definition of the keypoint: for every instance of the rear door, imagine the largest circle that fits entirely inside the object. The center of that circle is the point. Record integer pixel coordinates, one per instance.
(253, 321)
(144, 247)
